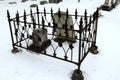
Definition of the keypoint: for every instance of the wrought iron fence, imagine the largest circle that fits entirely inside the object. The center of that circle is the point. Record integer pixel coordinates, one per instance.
(72, 49)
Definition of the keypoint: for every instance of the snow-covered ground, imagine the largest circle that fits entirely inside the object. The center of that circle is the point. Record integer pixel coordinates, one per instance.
(27, 66)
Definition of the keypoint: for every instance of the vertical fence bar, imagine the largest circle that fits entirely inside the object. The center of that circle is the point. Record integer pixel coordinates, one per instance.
(76, 14)
(51, 12)
(16, 31)
(43, 23)
(85, 17)
(9, 20)
(31, 15)
(54, 26)
(18, 25)
(89, 29)
(80, 32)
(59, 13)
(96, 22)
(85, 32)
(66, 24)
(24, 18)
(38, 17)
(44, 12)
(33, 20)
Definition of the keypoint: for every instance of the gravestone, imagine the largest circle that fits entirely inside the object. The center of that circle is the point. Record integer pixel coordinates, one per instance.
(12, 2)
(109, 5)
(55, 1)
(33, 5)
(39, 37)
(24, 0)
(43, 2)
(61, 35)
(40, 40)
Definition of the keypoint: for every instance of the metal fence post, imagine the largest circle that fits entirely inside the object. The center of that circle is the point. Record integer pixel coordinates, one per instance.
(96, 23)
(9, 21)
(38, 17)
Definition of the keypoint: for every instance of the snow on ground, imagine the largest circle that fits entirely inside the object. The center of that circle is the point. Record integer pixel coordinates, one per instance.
(27, 66)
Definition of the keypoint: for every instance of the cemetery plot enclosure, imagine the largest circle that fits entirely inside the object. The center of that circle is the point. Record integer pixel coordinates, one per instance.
(70, 37)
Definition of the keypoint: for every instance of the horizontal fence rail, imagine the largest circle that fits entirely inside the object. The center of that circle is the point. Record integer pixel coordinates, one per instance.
(77, 33)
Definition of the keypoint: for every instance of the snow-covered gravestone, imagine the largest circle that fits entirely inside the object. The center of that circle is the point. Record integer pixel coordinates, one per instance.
(109, 5)
(43, 2)
(61, 34)
(55, 1)
(24, 0)
(40, 40)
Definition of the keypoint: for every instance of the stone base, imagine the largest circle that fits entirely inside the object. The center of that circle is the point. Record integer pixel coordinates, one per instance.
(15, 50)
(94, 50)
(40, 48)
(62, 39)
(77, 75)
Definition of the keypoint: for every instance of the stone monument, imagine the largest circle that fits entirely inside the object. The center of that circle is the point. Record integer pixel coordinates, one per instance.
(109, 5)
(55, 1)
(24, 0)
(40, 40)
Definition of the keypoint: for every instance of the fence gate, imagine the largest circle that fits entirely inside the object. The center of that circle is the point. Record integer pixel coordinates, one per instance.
(69, 37)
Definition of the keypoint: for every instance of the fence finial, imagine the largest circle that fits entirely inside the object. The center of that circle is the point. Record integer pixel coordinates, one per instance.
(43, 23)
(76, 14)
(8, 14)
(81, 24)
(85, 14)
(17, 18)
(31, 13)
(51, 12)
(44, 12)
(85, 17)
(67, 13)
(59, 13)
(24, 18)
(37, 9)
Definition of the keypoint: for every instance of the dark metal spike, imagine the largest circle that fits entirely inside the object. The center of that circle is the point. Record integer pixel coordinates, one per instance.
(85, 17)
(37, 9)
(31, 12)
(24, 18)
(67, 13)
(85, 14)
(43, 25)
(81, 24)
(44, 12)
(17, 18)
(51, 12)
(59, 13)
(76, 14)
(8, 14)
